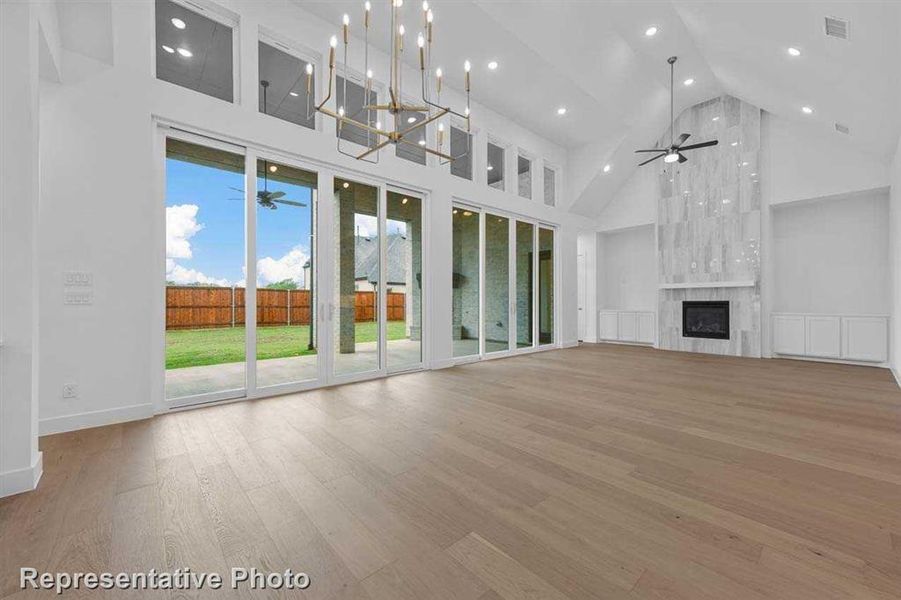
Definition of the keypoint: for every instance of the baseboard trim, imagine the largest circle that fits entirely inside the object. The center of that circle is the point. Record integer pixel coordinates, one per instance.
(95, 418)
(570, 344)
(22, 480)
(897, 376)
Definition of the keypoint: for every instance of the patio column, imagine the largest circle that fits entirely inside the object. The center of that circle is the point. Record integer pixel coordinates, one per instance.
(346, 271)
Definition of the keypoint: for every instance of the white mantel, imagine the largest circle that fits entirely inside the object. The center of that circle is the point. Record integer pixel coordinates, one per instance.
(707, 284)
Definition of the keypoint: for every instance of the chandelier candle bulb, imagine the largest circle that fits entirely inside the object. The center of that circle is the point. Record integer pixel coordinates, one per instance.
(346, 27)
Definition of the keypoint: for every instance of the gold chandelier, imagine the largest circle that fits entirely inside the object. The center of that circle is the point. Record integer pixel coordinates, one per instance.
(377, 137)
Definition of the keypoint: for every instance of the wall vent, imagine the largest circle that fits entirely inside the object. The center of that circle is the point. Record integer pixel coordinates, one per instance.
(838, 28)
(842, 129)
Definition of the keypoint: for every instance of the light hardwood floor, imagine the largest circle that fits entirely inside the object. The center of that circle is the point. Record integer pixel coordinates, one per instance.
(594, 472)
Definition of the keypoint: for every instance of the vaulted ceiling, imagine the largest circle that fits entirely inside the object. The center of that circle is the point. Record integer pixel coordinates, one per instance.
(595, 59)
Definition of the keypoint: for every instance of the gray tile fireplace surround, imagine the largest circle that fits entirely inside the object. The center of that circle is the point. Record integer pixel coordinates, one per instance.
(708, 226)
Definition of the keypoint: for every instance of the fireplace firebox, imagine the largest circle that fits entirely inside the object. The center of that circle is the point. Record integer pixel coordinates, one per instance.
(706, 319)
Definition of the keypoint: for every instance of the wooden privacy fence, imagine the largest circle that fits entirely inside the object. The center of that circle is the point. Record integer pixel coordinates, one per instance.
(191, 307)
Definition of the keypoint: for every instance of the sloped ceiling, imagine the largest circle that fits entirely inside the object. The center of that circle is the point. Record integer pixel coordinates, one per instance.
(594, 58)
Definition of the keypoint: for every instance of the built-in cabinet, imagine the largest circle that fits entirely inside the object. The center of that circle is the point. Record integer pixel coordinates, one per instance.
(837, 337)
(639, 327)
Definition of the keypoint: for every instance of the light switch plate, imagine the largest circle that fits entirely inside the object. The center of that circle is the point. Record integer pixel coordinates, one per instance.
(70, 390)
(78, 298)
(78, 278)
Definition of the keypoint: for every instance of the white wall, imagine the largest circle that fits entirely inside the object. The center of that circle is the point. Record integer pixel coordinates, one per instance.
(588, 285)
(20, 460)
(634, 204)
(807, 162)
(628, 267)
(102, 211)
(895, 219)
(832, 256)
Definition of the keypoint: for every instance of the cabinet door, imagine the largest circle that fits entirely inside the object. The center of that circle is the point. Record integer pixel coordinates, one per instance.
(865, 338)
(824, 337)
(607, 322)
(788, 334)
(628, 327)
(646, 329)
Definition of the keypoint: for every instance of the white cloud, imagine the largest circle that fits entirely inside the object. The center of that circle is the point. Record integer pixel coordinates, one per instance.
(181, 225)
(289, 266)
(179, 275)
(366, 226)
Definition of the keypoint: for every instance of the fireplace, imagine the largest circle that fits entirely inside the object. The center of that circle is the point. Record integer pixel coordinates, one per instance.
(708, 319)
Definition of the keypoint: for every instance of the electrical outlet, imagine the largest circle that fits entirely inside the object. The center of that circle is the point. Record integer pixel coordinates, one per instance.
(70, 390)
(79, 278)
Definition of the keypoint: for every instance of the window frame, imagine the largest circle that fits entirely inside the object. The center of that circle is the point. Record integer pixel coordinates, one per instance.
(553, 167)
(221, 15)
(505, 147)
(301, 52)
(521, 153)
(358, 78)
(458, 123)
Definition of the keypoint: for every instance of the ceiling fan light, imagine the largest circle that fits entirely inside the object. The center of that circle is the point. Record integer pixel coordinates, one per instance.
(671, 157)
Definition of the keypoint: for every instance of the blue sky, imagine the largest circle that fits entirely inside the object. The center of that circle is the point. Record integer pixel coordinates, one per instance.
(205, 228)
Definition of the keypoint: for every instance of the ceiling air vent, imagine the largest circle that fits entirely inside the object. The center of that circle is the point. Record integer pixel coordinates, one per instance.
(842, 129)
(838, 28)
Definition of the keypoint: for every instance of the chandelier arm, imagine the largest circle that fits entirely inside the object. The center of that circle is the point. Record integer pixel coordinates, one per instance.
(447, 109)
(348, 120)
(375, 148)
(429, 150)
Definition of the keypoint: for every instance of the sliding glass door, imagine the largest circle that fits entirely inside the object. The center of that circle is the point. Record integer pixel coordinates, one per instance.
(404, 272)
(503, 284)
(525, 267)
(545, 286)
(204, 282)
(498, 311)
(466, 281)
(356, 331)
(285, 275)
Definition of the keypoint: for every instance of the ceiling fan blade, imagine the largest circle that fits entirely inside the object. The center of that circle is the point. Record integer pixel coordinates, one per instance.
(291, 202)
(651, 159)
(652, 150)
(682, 157)
(681, 140)
(274, 195)
(239, 190)
(701, 145)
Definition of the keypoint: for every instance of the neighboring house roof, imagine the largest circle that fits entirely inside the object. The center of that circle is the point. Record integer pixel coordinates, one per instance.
(367, 259)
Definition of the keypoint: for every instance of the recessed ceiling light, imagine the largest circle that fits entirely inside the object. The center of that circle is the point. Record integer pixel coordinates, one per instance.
(411, 119)
(185, 52)
(178, 23)
(466, 213)
(456, 211)
(794, 51)
(273, 168)
(735, 143)
(346, 185)
(490, 167)
(715, 119)
(492, 65)
(561, 111)
(806, 110)
(295, 94)
(651, 31)
(422, 142)
(405, 200)
(169, 49)
(688, 81)
(607, 168)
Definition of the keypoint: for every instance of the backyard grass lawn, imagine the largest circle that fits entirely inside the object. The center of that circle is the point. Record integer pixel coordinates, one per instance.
(196, 347)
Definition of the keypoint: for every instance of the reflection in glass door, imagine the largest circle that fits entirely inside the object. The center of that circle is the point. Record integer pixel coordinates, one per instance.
(465, 282)
(545, 286)
(285, 275)
(497, 283)
(403, 278)
(205, 338)
(357, 276)
(525, 240)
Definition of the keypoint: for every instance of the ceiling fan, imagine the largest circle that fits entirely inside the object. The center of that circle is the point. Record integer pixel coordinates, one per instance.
(674, 152)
